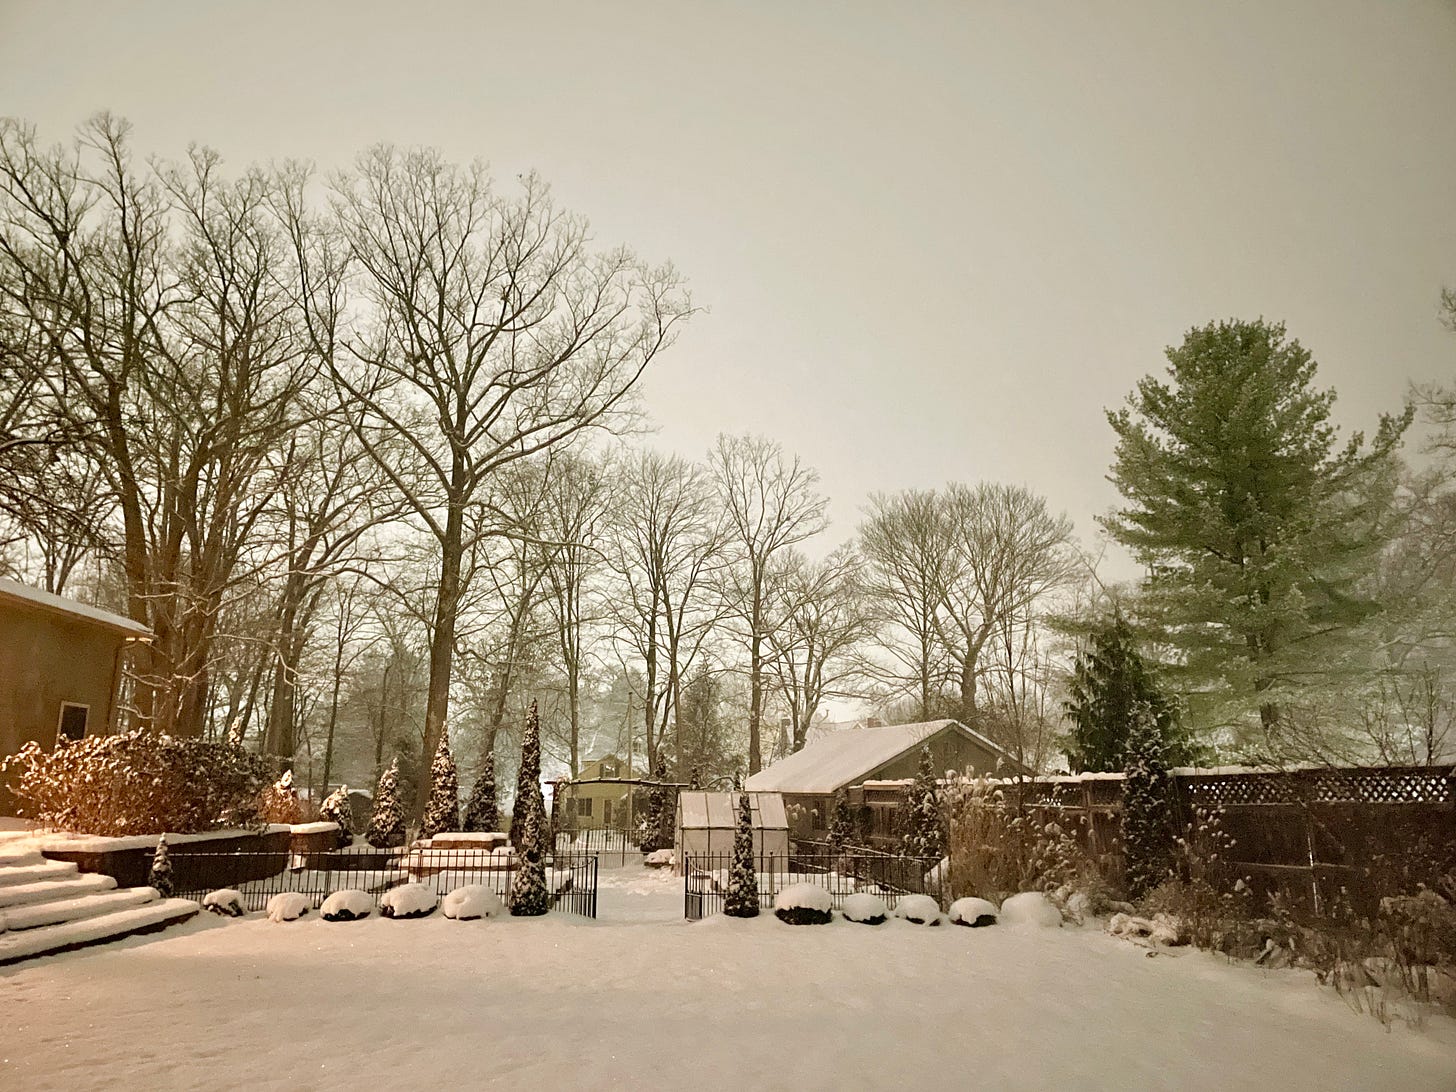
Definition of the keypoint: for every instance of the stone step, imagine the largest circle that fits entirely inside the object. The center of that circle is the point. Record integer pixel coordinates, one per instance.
(11, 875)
(49, 890)
(64, 937)
(36, 914)
(19, 855)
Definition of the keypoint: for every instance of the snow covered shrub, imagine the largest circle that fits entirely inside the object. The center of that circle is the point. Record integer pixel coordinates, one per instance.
(408, 900)
(841, 823)
(924, 830)
(159, 875)
(657, 827)
(386, 825)
(865, 908)
(137, 783)
(336, 809)
(1030, 909)
(442, 808)
(346, 906)
(279, 802)
(741, 898)
(529, 896)
(481, 812)
(998, 848)
(1210, 904)
(226, 901)
(287, 906)
(472, 902)
(803, 904)
(919, 909)
(973, 912)
(1147, 817)
(659, 858)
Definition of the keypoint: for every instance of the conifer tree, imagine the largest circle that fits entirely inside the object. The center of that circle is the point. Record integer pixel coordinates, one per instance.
(741, 898)
(160, 874)
(528, 895)
(924, 833)
(528, 778)
(1147, 822)
(1258, 526)
(335, 809)
(386, 824)
(1110, 682)
(841, 824)
(658, 818)
(481, 813)
(442, 808)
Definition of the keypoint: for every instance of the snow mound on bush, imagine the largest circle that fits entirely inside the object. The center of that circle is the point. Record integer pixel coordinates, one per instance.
(287, 906)
(1030, 909)
(658, 858)
(865, 908)
(804, 904)
(920, 909)
(471, 902)
(227, 901)
(973, 912)
(410, 900)
(346, 906)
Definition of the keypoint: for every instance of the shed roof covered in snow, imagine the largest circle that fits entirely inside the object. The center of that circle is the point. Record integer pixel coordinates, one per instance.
(849, 756)
(22, 595)
(697, 810)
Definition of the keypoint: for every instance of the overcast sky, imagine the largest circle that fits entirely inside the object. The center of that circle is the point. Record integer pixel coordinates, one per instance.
(937, 240)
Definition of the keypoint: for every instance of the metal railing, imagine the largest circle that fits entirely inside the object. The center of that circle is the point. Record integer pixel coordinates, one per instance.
(570, 877)
(841, 873)
(611, 846)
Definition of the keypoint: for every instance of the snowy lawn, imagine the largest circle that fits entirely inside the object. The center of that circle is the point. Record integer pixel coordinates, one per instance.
(641, 999)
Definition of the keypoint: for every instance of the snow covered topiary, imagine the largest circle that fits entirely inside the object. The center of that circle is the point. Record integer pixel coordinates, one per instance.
(659, 858)
(924, 832)
(226, 901)
(280, 802)
(528, 778)
(472, 902)
(409, 900)
(973, 912)
(865, 908)
(657, 832)
(160, 874)
(346, 906)
(804, 904)
(335, 809)
(481, 812)
(1030, 909)
(386, 825)
(287, 906)
(442, 808)
(529, 896)
(841, 823)
(918, 909)
(741, 898)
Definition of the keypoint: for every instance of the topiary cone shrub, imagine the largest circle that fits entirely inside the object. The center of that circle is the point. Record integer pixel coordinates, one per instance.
(741, 898)
(442, 808)
(159, 875)
(386, 825)
(336, 809)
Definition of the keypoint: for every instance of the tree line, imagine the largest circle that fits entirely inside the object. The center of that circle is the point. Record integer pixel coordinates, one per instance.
(363, 451)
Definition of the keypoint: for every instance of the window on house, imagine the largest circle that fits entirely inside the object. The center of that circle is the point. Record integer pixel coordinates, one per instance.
(73, 720)
(606, 813)
(583, 807)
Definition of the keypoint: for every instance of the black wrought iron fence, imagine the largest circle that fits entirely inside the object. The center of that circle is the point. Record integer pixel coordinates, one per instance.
(570, 877)
(841, 873)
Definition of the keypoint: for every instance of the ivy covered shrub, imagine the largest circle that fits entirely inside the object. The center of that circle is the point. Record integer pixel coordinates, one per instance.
(138, 783)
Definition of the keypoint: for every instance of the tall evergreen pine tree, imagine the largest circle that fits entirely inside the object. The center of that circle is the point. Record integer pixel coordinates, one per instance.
(841, 823)
(924, 834)
(386, 824)
(481, 813)
(741, 899)
(658, 833)
(442, 809)
(1147, 821)
(335, 809)
(1110, 682)
(528, 895)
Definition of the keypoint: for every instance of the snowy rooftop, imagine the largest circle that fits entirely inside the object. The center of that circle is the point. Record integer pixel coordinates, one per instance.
(719, 810)
(842, 758)
(15, 592)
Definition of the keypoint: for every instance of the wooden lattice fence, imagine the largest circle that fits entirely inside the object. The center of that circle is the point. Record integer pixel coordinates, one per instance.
(1365, 831)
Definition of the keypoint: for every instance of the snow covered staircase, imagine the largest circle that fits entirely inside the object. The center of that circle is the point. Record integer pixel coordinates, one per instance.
(48, 906)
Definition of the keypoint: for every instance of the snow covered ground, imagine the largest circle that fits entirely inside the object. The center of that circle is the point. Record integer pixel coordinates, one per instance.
(641, 999)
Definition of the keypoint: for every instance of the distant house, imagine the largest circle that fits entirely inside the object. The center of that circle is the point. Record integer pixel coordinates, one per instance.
(849, 757)
(60, 669)
(598, 795)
